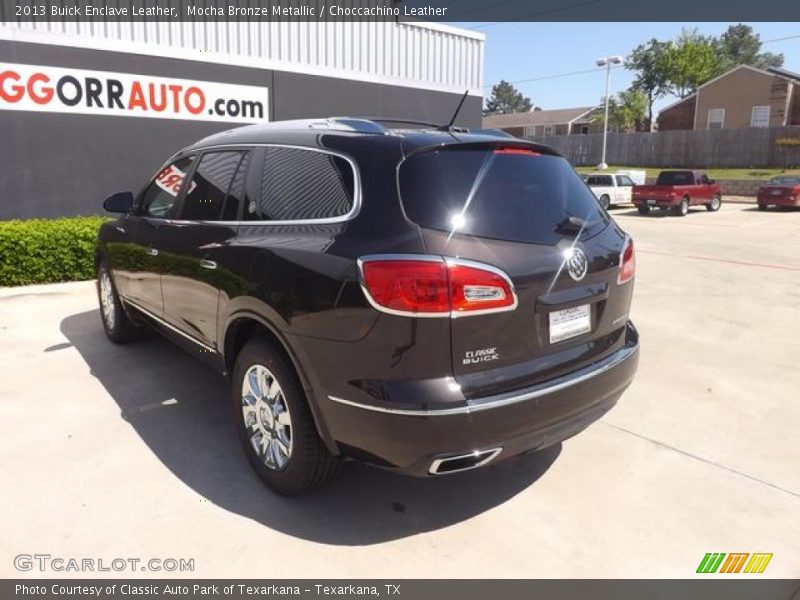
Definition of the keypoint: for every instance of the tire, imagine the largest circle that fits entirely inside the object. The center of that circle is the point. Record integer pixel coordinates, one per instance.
(762, 207)
(605, 201)
(715, 204)
(643, 209)
(682, 209)
(275, 426)
(117, 324)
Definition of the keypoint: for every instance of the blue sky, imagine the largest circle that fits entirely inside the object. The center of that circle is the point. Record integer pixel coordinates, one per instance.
(519, 51)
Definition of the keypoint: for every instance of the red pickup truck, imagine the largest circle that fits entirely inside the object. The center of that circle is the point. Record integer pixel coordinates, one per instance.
(678, 190)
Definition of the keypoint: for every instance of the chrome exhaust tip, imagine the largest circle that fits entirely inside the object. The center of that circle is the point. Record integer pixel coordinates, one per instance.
(463, 462)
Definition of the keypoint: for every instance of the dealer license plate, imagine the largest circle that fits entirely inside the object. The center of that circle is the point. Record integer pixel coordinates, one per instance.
(570, 322)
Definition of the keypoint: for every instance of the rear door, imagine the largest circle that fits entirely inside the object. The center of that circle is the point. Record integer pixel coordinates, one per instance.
(196, 246)
(602, 185)
(528, 214)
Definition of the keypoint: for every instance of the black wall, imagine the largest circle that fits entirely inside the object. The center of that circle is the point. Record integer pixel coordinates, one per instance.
(54, 164)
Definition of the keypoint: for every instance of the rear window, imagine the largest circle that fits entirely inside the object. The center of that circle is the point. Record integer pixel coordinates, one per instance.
(503, 194)
(785, 180)
(675, 178)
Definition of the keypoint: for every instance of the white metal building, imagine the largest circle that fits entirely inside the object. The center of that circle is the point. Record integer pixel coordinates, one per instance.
(130, 93)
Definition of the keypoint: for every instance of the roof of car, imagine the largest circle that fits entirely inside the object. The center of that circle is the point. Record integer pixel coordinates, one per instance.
(311, 133)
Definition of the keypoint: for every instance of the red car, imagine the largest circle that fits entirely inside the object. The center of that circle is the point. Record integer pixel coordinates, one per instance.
(783, 190)
(678, 190)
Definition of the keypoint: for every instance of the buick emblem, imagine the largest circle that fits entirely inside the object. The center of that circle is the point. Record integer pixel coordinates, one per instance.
(577, 263)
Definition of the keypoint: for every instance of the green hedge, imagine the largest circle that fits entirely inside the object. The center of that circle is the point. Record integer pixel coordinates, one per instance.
(48, 250)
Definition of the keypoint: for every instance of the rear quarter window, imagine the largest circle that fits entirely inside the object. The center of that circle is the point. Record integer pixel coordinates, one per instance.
(303, 185)
(507, 195)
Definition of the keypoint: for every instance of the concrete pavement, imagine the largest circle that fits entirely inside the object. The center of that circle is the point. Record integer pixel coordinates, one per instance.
(110, 451)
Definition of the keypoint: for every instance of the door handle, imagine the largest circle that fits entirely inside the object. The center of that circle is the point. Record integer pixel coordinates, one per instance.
(208, 264)
(152, 251)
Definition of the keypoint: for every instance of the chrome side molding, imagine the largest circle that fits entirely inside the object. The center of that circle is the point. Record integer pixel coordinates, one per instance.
(169, 326)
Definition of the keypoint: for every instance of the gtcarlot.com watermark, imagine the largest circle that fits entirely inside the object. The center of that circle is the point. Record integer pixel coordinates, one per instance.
(47, 563)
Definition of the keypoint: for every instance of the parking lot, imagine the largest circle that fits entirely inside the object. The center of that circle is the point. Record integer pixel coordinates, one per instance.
(127, 451)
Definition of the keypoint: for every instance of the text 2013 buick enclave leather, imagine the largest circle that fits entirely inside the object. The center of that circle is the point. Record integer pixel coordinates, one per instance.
(424, 300)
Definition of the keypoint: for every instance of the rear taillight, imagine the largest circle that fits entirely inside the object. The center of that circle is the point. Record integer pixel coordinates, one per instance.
(408, 286)
(432, 286)
(627, 262)
(478, 288)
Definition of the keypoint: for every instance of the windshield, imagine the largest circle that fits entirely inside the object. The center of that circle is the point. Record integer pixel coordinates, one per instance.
(675, 178)
(504, 193)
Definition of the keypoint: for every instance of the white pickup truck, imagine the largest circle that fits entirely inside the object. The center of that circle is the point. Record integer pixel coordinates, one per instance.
(610, 188)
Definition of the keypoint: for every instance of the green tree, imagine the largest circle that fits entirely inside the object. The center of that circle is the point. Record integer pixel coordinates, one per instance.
(627, 111)
(740, 45)
(691, 61)
(506, 98)
(650, 63)
(631, 110)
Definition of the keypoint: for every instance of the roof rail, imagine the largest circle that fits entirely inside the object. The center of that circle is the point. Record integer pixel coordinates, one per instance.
(402, 121)
(335, 123)
(490, 131)
(428, 124)
(372, 125)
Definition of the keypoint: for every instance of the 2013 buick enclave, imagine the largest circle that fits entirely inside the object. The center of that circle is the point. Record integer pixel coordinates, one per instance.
(426, 300)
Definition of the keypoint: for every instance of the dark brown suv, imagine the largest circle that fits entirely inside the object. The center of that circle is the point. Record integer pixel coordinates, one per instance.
(428, 301)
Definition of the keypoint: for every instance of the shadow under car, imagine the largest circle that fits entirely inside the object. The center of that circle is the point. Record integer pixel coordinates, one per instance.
(180, 409)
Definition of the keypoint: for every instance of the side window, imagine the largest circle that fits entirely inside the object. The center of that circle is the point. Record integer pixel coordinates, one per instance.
(703, 178)
(211, 181)
(160, 196)
(624, 180)
(301, 184)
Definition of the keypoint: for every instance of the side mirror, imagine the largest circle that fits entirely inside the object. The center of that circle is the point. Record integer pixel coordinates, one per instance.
(121, 202)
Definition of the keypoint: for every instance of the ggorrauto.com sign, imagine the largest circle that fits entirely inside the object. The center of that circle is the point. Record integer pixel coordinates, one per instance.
(79, 91)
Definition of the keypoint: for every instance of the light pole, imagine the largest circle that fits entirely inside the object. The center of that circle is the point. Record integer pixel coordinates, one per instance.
(606, 62)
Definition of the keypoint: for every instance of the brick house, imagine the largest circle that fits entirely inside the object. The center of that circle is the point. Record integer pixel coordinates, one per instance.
(742, 97)
(544, 123)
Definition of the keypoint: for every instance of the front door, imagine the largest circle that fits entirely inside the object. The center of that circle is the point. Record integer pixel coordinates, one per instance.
(136, 260)
(624, 189)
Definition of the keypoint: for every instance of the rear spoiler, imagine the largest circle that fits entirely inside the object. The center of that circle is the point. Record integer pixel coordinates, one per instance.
(511, 142)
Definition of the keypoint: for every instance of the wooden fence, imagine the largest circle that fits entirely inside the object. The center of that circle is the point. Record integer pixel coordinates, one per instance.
(749, 147)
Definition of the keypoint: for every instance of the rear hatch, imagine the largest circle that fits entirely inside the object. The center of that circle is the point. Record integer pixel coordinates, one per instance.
(776, 191)
(525, 211)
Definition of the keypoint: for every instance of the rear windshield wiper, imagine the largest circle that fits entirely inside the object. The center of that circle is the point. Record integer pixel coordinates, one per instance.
(572, 224)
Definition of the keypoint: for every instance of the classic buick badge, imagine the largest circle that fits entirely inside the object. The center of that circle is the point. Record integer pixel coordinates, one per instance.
(577, 263)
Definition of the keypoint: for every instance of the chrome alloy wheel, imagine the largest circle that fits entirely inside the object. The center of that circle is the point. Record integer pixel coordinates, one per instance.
(266, 417)
(107, 299)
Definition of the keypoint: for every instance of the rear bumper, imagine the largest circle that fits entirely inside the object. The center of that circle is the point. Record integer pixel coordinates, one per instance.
(778, 200)
(659, 202)
(514, 422)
